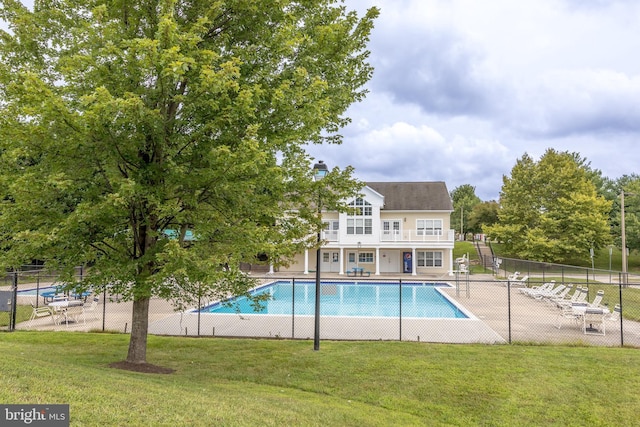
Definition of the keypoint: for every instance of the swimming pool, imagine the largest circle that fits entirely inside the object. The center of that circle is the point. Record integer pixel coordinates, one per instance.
(348, 299)
(40, 291)
(48, 292)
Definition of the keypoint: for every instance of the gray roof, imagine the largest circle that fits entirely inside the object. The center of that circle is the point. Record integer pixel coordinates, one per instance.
(412, 196)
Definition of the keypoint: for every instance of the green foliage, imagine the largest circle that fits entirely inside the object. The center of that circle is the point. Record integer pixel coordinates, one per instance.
(483, 214)
(550, 211)
(126, 125)
(630, 184)
(464, 201)
(281, 382)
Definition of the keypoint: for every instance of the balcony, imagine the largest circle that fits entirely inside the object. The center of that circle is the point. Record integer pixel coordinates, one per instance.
(330, 235)
(394, 236)
(416, 236)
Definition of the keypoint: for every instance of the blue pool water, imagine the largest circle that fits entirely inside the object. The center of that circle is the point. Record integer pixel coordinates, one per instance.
(41, 291)
(49, 292)
(350, 299)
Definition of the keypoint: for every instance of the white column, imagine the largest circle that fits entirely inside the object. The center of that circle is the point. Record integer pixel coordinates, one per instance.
(306, 261)
(377, 261)
(414, 262)
(450, 262)
(341, 261)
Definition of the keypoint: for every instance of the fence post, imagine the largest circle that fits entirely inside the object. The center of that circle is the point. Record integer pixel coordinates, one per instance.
(621, 311)
(14, 302)
(199, 308)
(104, 307)
(400, 307)
(293, 307)
(509, 307)
(38, 289)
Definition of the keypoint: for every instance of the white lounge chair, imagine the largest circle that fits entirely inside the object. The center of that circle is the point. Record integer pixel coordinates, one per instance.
(538, 289)
(518, 282)
(513, 276)
(614, 316)
(566, 298)
(549, 293)
(559, 296)
(597, 299)
(578, 298)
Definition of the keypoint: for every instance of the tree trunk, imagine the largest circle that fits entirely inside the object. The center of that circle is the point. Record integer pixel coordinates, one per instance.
(139, 329)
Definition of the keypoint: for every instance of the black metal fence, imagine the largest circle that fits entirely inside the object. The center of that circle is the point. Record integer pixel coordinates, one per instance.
(459, 309)
(506, 266)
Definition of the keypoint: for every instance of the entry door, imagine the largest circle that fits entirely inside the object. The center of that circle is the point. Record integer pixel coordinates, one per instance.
(351, 260)
(391, 229)
(390, 261)
(330, 261)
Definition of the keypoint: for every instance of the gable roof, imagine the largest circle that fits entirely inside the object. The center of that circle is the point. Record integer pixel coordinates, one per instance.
(412, 196)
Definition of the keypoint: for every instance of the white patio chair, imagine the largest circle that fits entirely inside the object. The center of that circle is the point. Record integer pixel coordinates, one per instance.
(92, 307)
(593, 321)
(73, 312)
(42, 311)
(567, 313)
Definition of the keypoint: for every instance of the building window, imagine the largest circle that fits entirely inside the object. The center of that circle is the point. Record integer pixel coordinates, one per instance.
(429, 227)
(360, 221)
(331, 230)
(429, 258)
(366, 257)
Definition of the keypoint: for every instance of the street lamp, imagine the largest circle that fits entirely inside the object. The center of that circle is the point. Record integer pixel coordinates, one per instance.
(319, 172)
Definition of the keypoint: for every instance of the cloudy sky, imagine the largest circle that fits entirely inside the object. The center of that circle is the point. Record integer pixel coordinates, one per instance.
(464, 88)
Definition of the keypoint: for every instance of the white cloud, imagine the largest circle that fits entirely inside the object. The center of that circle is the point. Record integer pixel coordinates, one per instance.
(462, 89)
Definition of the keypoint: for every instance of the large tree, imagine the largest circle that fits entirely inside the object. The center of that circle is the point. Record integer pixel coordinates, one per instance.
(550, 211)
(128, 126)
(464, 200)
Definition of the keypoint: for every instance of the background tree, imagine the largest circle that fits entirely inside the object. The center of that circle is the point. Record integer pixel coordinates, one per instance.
(483, 214)
(630, 184)
(464, 200)
(550, 211)
(124, 125)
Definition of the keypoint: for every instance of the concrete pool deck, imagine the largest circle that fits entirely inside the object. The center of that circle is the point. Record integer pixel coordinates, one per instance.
(487, 300)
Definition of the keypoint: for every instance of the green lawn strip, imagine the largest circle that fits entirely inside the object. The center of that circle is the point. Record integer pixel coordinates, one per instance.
(270, 382)
(23, 313)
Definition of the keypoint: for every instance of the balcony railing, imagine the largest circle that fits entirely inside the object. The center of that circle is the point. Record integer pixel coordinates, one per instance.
(417, 236)
(331, 236)
(399, 236)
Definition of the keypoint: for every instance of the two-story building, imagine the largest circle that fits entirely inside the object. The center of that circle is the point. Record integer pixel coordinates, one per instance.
(395, 227)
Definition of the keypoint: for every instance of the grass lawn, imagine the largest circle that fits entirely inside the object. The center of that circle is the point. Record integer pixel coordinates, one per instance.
(275, 383)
